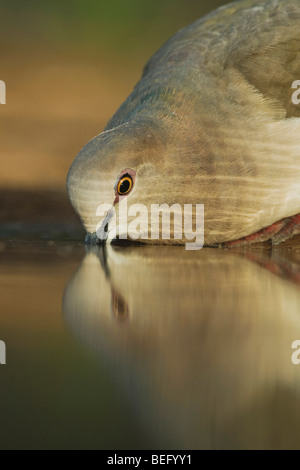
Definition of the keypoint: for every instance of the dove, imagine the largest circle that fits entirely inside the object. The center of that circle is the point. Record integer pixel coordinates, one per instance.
(215, 121)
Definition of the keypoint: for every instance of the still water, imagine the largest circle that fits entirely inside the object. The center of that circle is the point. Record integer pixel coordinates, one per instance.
(148, 347)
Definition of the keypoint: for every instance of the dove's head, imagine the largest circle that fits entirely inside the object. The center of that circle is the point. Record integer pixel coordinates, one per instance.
(126, 162)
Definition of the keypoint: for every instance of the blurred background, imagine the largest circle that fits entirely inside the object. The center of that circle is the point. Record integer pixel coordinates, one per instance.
(68, 65)
(204, 356)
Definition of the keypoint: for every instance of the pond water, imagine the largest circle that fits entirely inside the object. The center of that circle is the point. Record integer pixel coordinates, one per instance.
(148, 347)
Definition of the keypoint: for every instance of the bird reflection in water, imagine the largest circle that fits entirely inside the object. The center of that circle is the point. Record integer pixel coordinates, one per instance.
(198, 342)
(119, 306)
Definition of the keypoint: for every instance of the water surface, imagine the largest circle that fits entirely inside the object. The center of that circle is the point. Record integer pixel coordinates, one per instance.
(148, 347)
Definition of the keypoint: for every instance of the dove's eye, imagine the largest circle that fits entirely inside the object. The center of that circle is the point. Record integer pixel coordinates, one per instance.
(125, 185)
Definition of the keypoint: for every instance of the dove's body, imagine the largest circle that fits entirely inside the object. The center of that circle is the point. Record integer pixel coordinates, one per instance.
(211, 122)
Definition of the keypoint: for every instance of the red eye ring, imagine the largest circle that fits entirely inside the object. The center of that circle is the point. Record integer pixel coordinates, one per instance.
(127, 177)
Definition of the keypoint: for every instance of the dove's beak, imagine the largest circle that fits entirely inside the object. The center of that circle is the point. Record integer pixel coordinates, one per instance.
(92, 239)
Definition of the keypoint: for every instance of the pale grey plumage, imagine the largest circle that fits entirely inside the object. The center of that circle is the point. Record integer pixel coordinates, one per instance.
(212, 122)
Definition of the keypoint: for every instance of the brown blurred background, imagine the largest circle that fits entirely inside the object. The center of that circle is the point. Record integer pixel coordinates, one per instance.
(68, 65)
